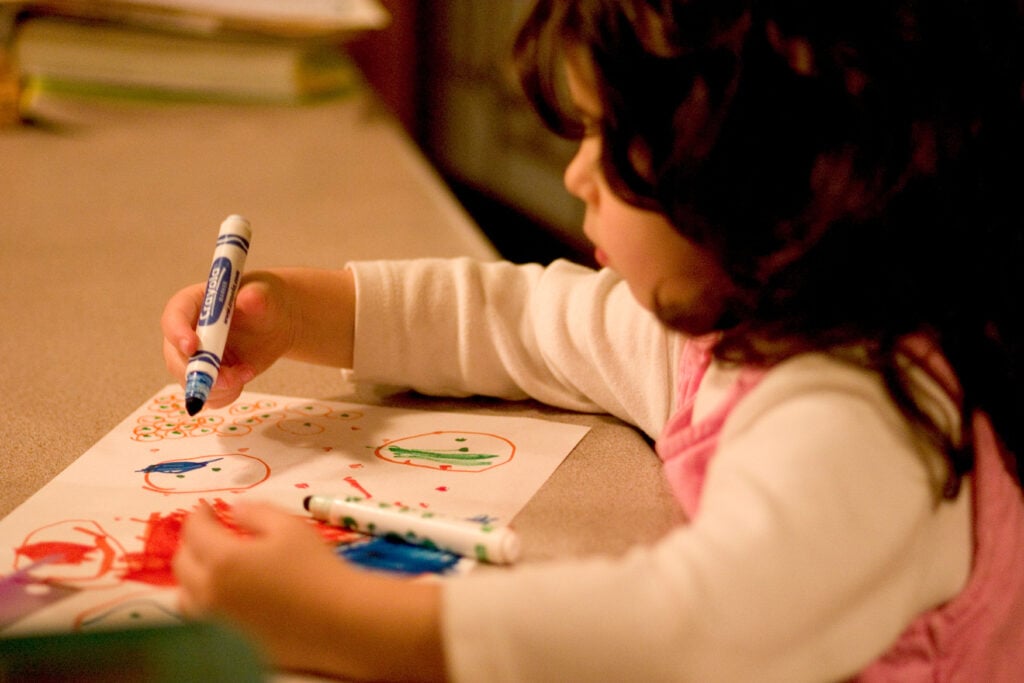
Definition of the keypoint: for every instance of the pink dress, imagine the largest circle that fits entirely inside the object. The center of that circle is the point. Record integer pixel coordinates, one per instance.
(976, 636)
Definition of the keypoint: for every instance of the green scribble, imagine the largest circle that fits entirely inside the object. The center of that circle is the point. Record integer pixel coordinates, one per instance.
(460, 457)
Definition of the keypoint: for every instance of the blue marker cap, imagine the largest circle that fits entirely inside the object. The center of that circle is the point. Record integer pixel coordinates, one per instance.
(197, 390)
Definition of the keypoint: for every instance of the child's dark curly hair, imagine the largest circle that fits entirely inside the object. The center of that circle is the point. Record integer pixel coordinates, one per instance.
(853, 164)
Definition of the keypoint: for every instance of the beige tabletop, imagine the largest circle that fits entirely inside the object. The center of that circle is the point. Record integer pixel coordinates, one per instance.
(109, 207)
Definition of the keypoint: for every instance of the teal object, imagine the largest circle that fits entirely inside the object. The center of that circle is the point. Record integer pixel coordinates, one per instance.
(173, 654)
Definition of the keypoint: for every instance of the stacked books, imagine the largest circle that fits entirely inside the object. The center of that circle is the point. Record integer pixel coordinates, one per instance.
(297, 18)
(225, 50)
(9, 79)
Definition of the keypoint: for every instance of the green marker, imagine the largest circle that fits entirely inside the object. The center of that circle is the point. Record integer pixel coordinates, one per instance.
(486, 542)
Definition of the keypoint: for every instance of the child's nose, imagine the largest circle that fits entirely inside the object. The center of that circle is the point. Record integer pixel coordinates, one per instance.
(576, 177)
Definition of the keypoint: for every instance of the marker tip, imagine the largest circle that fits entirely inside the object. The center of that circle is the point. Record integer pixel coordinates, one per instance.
(193, 405)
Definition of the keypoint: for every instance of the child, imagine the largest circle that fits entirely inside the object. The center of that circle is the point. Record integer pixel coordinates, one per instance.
(805, 212)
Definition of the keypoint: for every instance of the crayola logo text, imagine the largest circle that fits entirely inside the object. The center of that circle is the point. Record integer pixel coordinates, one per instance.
(216, 291)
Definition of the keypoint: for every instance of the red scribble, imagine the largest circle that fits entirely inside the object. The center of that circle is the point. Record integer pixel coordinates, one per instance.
(441, 488)
(334, 534)
(152, 564)
(356, 485)
(302, 486)
(96, 556)
(225, 514)
(66, 553)
(160, 541)
(356, 466)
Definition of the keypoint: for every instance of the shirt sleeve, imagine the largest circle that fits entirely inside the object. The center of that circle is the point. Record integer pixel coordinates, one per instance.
(565, 335)
(818, 540)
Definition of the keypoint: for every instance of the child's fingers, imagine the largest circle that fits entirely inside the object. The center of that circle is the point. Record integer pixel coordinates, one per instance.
(181, 341)
(193, 592)
(264, 519)
(196, 560)
(231, 381)
(252, 300)
(179, 319)
(203, 535)
(174, 360)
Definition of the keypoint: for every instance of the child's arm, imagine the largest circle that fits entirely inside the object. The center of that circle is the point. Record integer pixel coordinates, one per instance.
(300, 313)
(563, 334)
(306, 608)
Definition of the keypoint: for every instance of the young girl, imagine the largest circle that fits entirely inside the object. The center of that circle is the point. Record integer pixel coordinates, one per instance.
(806, 214)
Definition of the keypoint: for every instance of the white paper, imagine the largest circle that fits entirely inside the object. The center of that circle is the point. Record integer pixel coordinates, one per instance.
(112, 518)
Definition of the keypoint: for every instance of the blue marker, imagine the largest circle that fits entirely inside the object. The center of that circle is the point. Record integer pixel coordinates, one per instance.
(215, 315)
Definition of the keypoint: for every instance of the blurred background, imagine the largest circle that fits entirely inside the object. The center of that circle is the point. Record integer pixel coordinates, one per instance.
(442, 66)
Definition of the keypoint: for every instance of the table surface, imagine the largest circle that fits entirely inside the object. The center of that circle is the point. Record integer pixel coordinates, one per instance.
(105, 207)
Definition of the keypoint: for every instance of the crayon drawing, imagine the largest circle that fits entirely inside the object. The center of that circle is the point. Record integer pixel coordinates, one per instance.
(451, 451)
(94, 547)
(392, 555)
(79, 552)
(233, 472)
(149, 608)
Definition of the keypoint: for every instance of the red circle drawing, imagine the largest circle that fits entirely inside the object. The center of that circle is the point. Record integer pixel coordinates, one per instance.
(77, 550)
(206, 474)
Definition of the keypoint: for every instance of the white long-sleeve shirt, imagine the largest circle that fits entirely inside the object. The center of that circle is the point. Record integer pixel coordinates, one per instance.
(819, 537)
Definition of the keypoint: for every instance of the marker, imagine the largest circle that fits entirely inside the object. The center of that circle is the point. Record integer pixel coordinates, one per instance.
(485, 542)
(215, 315)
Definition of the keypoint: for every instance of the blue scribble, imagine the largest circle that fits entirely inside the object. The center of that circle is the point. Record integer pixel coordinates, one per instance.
(177, 467)
(394, 555)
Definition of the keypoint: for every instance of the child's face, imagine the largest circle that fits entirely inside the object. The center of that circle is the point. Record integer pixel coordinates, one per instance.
(667, 273)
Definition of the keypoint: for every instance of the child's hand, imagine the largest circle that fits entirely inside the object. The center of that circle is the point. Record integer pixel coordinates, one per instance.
(261, 332)
(307, 608)
(270, 583)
